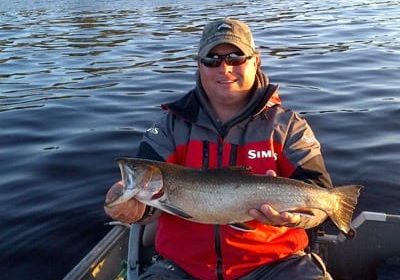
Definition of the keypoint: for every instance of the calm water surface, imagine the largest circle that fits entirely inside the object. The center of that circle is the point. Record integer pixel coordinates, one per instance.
(80, 81)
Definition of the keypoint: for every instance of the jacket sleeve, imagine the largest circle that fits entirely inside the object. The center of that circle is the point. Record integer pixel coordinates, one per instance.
(158, 141)
(303, 151)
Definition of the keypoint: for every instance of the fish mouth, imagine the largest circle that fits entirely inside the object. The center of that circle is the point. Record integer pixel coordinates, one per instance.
(143, 181)
(117, 201)
(124, 196)
(129, 190)
(127, 175)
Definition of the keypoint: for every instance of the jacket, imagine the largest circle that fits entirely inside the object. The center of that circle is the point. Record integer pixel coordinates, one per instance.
(263, 136)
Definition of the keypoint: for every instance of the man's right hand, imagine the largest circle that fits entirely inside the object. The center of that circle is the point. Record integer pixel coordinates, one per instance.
(127, 212)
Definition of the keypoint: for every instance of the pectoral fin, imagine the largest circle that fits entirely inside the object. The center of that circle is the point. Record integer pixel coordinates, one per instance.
(174, 210)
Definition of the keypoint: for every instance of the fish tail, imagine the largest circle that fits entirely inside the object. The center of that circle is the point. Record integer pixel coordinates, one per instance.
(345, 203)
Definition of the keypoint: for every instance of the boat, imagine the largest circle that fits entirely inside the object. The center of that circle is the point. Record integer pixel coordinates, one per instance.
(373, 253)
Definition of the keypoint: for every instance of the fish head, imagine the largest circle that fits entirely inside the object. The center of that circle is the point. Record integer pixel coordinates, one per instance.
(141, 180)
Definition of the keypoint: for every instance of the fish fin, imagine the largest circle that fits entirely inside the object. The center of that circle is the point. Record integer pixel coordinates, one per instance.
(174, 210)
(342, 213)
(302, 212)
(242, 227)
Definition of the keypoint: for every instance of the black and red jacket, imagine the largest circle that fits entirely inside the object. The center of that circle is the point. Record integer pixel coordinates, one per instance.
(264, 136)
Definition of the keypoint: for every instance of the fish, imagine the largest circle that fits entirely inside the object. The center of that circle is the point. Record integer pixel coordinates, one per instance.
(225, 195)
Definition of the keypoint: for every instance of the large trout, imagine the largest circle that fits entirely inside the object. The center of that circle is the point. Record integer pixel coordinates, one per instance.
(224, 196)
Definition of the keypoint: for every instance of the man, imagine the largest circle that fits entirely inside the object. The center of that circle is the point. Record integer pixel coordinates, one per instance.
(233, 117)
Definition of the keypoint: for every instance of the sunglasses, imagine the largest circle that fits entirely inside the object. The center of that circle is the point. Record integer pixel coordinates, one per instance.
(232, 59)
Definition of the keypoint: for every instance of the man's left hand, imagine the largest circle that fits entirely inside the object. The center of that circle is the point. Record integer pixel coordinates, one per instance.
(268, 215)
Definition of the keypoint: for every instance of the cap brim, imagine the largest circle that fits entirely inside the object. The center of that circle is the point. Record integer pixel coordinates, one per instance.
(247, 50)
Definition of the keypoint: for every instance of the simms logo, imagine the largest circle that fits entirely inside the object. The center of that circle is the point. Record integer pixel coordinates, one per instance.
(153, 130)
(253, 154)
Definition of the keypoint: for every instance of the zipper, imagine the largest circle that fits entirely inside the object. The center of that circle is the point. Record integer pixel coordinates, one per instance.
(217, 228)
(220, 150)
(206, 154)
(217, 232)
(233, 155)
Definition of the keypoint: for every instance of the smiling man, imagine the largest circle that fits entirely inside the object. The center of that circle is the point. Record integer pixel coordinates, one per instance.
(232, 117)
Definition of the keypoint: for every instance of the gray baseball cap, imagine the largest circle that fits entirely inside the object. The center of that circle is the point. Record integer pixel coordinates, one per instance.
(228, 31)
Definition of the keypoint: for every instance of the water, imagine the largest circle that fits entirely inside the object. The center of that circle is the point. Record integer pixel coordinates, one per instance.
(80, 81)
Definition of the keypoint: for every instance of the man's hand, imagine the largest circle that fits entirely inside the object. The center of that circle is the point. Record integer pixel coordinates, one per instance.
(268, 215)
(127, 212)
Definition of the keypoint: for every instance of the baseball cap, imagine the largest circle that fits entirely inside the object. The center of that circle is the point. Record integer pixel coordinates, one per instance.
(228, 31)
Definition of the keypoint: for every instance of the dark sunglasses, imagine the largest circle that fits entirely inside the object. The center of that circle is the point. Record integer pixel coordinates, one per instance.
(232, 59)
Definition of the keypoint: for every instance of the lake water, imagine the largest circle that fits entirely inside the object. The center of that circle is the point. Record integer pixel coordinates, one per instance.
(80, 81)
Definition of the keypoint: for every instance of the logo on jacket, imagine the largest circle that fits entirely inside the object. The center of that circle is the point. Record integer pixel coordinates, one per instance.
(254, 154)
(153, 130)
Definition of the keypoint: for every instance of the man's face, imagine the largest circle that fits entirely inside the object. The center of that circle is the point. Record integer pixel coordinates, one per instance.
(227, 84)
